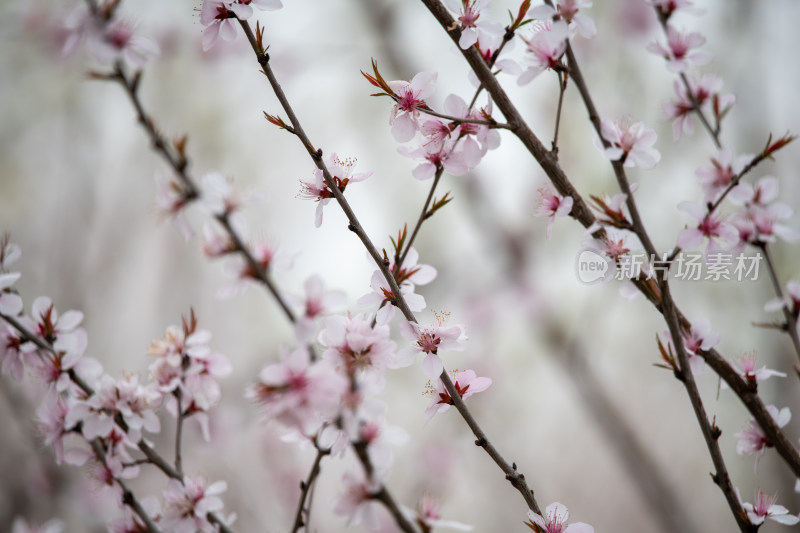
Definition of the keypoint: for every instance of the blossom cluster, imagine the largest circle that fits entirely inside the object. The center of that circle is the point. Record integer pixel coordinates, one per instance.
(90, 417)
(325, 390)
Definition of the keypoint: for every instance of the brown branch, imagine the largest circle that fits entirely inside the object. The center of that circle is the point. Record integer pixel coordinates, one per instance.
(711, 432)
(791, 319)
(128, 497)
(305, 488)
(562, 88)
(547, 159)
(422, 217)
(634, 455)
(580, 211)
(382, 495)
(517, 480)
(668, 309)
(179, 164)
(714, 132)
(750, 399)
(152, 456)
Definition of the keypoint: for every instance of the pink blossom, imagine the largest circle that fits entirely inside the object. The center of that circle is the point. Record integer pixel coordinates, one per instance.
(10, 302)
(79, 24)
(170, 201)
(357, 347)
(552, 205)
(383, 296)
(678, 52)
(706, 94)
(545, 49)
(429, 340)
(699, 339)
(411, 271)
(747, 369)
(130, 522)
(791, 301)
(466, 384)
(428, 513)
(14, 351)
(378, 436)
(456, 156)
(409, 98)
(488, 138)
(341, 172)
(753, 440)
(710, 226)
(554, 521)
(724, 167)
(765, 507)
(118, 40)
(220, 196)
(615, 246)
(317, 303)
(472, 30)
(631, 143)
(668, 7)
(298, 393)
(178, 341)
(110, 470)
(216, 242)
(54, 369)
(9, 253)
(61, 331)
(611, 209)
(52, 422)
(184, 362)
(187, 504)
(569, 11)
(220, 17)
(408, 276)
(125, 397)
(357, 502)
(267, 256)
(762, 214)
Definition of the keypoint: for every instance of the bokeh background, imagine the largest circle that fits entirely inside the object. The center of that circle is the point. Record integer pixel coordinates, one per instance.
(576, 401)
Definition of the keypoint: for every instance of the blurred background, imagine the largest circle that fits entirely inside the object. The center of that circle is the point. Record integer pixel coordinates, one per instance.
(576, 401)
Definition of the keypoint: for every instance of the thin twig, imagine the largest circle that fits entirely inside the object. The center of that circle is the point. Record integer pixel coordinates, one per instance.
(562, 88)
(712, 206)
(179, 431)
(517, 480)
(791, 320)
(714, 132)
(465, 120)
(710, 433)
(128, 497)
(179, 164)
(634, 455)
(422, 217)
(306, 487)
(382, 495)
(152, 456)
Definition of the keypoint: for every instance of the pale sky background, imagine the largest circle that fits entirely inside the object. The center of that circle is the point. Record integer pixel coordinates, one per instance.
(77, 194)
